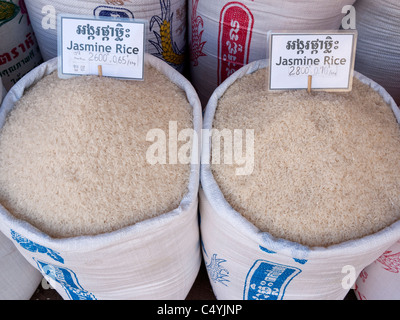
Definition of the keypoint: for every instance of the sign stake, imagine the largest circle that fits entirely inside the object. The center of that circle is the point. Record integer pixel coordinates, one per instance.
(309, 84)
(100, 70)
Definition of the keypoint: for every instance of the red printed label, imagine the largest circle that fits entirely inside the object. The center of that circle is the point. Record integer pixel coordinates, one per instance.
(234, 38)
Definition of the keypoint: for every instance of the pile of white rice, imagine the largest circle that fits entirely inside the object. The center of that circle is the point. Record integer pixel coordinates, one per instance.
(73, 153)
(326, 166)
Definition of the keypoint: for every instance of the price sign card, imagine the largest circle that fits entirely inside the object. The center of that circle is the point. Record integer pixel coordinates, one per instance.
(89, 44)
(328, 57)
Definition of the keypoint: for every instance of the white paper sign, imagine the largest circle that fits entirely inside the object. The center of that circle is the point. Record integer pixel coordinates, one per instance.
(326, 56)
(85, 43)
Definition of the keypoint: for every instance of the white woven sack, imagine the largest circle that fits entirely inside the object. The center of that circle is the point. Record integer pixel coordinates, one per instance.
(244, 263)
(18, 279)
(378, 44)
(225, 35)
(381, 279)
(158, 258)
(168, 15)
(19, 51)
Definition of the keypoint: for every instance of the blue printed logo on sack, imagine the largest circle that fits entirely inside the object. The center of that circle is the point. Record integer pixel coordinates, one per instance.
(112, 12)
(66, 278)
(61, 275)
(34, 247)
(216, 272)
(267, 280)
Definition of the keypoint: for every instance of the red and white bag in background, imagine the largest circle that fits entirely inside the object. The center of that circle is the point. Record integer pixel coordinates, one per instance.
(225, 35)
(19, 51)
(381, 279)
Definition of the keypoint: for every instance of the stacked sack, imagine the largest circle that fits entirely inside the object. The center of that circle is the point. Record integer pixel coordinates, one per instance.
(19, 51)
(225, 35)
(378, 44)
(166, 33)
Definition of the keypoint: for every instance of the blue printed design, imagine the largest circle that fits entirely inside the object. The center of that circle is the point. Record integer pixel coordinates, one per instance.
(267, 280)
(203, 247)
(216, 272)
(66, 278)
(201, 239)
(108, 11)
(34, 247)
(266, 250)
(301, 261)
